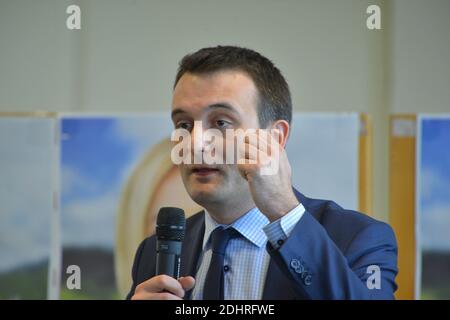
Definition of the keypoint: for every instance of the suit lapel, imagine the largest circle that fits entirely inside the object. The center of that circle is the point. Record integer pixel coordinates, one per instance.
(192, 247)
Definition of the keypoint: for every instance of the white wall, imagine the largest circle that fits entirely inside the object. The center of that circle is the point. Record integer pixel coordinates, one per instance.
(421, 56)
(126, 54)
(38, 66)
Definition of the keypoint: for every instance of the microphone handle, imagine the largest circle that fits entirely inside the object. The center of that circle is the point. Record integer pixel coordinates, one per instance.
(168, 258)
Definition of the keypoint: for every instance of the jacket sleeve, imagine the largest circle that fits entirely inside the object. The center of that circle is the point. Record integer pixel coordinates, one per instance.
(319, 270)
(134, 271)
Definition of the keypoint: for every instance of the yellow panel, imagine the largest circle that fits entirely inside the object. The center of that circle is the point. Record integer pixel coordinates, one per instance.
(401, 198)
(365, 164)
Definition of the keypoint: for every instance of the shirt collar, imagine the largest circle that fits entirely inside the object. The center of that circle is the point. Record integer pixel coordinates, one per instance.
(250, 226)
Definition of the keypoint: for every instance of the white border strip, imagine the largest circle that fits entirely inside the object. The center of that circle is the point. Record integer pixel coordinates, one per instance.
(54, 272)
(417, 214)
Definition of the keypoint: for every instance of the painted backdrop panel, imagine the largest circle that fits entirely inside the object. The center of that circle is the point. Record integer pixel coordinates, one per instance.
(27, 171)
(433, 209)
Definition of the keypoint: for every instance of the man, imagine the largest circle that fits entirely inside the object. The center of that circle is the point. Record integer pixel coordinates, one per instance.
(259, 238)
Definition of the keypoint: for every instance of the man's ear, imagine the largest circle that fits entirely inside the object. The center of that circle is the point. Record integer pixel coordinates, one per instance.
(284, 129)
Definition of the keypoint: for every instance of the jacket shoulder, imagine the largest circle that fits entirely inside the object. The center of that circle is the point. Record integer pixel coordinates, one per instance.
(342, 225)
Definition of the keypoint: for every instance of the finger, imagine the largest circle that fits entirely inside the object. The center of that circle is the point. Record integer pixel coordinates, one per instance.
(143, 295)
(187, 282)
(249, 154)
(265, 140)
(251, 136)
(262, 137)
(162, 283)
(275, 147)
(270, 140)
(257, 139)
(166, 296)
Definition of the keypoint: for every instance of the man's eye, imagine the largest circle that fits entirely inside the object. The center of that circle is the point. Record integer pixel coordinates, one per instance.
(222, 123)
(183, 125)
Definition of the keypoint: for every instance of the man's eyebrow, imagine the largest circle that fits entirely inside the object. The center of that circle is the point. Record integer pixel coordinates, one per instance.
(219, 105)
(223, 105)
(177, 111)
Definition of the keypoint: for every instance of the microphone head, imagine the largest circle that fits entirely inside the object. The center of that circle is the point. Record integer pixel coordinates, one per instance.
(170, 224)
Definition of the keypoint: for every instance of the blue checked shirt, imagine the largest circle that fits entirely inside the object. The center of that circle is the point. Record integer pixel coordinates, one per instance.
(246, 257)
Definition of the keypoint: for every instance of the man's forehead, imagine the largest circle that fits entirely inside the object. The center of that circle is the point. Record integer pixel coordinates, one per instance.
(197, 90)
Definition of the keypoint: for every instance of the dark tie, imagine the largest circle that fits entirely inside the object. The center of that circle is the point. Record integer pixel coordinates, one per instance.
(214, 281)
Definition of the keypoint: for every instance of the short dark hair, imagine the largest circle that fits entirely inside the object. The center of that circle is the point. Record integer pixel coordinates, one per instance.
(274, 97)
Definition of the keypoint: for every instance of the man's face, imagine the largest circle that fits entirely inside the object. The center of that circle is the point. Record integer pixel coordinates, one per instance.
(221, 100)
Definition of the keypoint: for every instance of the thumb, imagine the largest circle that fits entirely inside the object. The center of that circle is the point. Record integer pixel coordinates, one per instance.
(187, 282)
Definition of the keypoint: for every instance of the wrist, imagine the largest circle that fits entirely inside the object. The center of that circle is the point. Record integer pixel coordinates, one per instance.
(281, 208)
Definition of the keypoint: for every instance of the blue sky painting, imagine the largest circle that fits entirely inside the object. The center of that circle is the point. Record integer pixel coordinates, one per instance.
(434, 206)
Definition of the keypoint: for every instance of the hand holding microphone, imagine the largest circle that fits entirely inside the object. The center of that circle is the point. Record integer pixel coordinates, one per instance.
(166, 285)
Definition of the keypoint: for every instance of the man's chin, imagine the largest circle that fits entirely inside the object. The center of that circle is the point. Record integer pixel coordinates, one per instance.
(203, 194)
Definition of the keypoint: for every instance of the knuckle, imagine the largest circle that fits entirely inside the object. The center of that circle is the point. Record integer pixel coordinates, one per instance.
(164, 280)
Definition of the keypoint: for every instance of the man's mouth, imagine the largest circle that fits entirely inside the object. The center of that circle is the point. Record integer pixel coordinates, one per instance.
(204, 171)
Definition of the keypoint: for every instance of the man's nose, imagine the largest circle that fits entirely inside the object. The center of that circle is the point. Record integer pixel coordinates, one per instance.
(198, 143)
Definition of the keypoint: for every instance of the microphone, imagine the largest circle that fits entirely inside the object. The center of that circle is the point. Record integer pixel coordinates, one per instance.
(170, 228)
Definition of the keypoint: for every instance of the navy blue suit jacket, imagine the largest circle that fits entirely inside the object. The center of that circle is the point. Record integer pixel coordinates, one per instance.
(327, 256)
